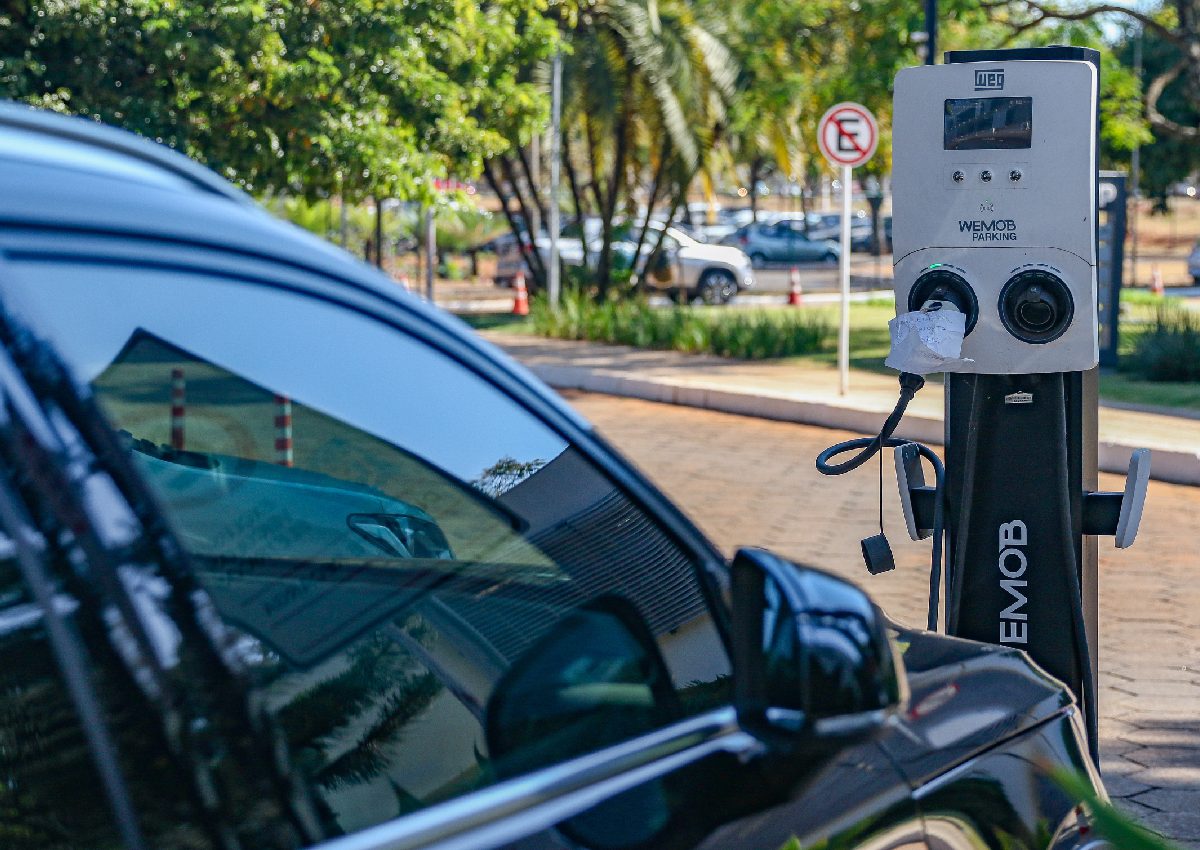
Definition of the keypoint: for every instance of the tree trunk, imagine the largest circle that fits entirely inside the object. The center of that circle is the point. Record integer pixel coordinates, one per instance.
(378, 234)
(604, 264)
(528, 172)
(537, 271)
(490, 175)
(664, 156)
(590, 138)
(676, 201)
(576, 195)
(756, 165)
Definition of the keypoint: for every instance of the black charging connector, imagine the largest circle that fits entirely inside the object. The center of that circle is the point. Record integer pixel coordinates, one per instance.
(877, 553)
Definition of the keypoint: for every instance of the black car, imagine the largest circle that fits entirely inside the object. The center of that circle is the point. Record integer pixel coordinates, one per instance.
(291, 558)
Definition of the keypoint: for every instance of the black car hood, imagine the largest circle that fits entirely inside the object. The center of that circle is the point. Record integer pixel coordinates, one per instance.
(966, 697)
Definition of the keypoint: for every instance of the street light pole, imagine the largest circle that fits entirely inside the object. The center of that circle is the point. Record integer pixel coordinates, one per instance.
(555, 155)
(931, 32)
(1135, 173)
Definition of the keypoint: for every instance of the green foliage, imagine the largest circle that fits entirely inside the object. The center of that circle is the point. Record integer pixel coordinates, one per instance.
(749, 334)
(462, 227)
(1169, 350)
(360, 98)
(1118, 828)
(1167, 159)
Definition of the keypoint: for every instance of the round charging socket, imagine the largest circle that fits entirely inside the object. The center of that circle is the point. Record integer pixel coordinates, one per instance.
(945, 285)
(1036, 306)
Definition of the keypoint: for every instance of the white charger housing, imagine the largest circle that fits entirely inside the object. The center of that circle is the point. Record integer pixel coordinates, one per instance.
(994, 187)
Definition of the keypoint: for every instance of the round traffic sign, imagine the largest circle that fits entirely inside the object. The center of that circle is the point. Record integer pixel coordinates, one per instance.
(847, 134)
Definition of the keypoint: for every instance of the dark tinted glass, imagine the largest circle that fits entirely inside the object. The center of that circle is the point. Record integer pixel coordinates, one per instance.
(988, 123)
(391, 536)
(50, 793)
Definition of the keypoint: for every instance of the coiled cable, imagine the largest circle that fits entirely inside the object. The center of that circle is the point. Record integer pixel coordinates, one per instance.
(910, 385)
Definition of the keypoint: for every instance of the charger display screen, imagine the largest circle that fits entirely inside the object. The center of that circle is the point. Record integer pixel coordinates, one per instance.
(989, 123)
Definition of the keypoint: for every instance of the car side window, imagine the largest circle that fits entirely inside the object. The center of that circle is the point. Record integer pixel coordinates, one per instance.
(414, 561)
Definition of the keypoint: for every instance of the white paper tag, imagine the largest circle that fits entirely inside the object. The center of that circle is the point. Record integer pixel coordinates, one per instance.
(924, 342)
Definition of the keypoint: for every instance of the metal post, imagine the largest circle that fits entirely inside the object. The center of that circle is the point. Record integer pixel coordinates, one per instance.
(931, 31)
(555, 155)
(844, 330)
(343, 224)
(1135, 172)
(178, 408)
(430, 252)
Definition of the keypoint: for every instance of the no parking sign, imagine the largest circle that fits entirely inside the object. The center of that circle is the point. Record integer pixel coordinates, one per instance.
(848, 134)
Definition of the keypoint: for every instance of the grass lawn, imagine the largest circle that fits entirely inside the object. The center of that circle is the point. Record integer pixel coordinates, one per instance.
(506, 322)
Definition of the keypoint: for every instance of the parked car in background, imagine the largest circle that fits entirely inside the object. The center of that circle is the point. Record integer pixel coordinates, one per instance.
(781, 241)
(512, 254)
(1193, 263)
(828, 226)
(712, 274)
(480, 627)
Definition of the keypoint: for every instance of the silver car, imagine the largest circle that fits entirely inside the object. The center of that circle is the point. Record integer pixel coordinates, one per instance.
(709, 273)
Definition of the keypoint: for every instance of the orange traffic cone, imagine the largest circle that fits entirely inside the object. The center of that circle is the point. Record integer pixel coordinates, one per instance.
(796, 291)
(1156, 281)
(521, 302)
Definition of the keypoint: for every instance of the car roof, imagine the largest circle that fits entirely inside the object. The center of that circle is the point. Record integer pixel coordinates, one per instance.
(62, 174)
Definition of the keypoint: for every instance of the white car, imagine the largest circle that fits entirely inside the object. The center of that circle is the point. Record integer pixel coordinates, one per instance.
(710, 273)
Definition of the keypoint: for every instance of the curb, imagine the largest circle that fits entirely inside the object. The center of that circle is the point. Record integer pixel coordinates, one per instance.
(1175, 467)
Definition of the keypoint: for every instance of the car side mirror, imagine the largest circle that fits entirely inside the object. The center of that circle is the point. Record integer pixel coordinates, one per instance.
(811, 651)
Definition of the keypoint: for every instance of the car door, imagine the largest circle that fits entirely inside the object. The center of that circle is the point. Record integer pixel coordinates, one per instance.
(469, 620)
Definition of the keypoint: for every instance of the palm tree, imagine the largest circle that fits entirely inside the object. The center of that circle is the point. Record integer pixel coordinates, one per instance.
(647, 84)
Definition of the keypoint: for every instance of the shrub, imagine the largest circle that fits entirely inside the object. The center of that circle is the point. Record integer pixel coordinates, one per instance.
(1169, 349)
(749, 334)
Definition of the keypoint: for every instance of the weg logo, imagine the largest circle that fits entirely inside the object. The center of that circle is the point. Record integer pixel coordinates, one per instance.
(992, 80)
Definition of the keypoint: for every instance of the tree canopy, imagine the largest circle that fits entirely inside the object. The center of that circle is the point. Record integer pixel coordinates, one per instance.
(358, 97)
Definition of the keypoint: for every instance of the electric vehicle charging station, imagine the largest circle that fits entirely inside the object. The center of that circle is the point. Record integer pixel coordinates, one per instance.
(994, 227)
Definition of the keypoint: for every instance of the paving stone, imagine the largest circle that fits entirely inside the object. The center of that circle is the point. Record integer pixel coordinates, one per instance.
(1170, 799)
(1119, 786)
(1111, 746)
(1180, 825)
(1150, 689)
(1165, 756)
(1168, 776)
(1133, 808)
(1184, 734)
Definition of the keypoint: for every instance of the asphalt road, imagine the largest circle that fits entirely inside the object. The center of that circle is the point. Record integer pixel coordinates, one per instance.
(865, 273)
(749, 481)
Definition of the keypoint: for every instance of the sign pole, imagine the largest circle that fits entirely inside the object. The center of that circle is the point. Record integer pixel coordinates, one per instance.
(553, 283)
(844, 329)
(846, 134)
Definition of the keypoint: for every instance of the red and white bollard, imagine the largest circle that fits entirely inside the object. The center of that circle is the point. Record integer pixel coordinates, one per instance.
(1156, 280)
(404, 282)
(283, 430)
(178, 408)
(521, 301)
(795, 290)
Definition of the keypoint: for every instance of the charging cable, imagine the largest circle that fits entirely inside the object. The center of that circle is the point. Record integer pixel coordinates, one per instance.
(868, 447)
